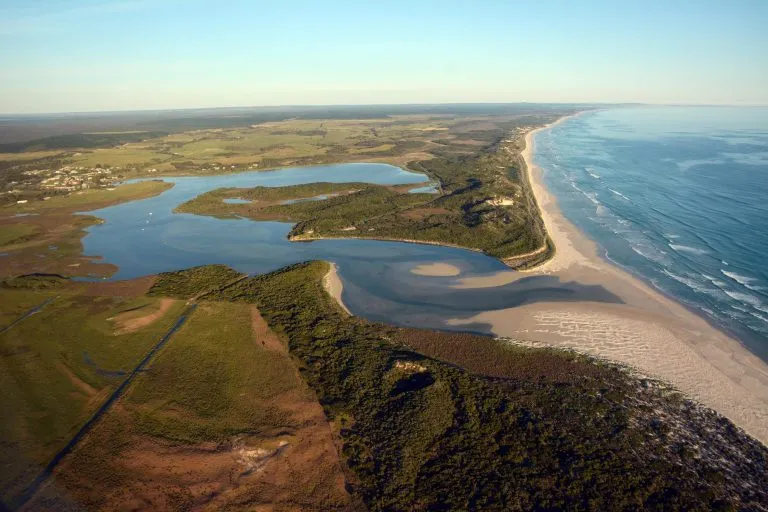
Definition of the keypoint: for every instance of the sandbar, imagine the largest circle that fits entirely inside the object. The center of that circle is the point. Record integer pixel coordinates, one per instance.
(650, 332)
(436, 270)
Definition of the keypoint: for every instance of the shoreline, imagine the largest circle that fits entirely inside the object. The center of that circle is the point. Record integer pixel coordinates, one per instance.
(333, 285)
(650, 331)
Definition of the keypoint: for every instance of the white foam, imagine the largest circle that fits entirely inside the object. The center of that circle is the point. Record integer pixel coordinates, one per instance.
(744, 281)
(715, 281)
(685, 248)
(746, 298)
(592, 197)
(619, 194)
(691, 283)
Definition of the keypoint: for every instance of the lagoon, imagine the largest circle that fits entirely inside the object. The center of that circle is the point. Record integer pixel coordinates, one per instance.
(145, 237)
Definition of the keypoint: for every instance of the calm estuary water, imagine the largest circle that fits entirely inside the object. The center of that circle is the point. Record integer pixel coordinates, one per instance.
(145, 237)
(678, 196)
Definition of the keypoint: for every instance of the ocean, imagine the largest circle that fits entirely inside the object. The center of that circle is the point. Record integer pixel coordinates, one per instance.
(678, 196)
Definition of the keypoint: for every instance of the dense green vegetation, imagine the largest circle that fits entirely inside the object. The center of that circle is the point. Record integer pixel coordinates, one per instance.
(193, 282)
(515, 429)
(34, 282)
(485, 204)
(265, 202)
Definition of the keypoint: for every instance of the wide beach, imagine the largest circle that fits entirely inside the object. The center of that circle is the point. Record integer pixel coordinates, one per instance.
(649, 331)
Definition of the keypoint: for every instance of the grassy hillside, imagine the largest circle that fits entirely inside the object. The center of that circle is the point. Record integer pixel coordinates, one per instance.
(517, 429)
(59, 365)
(79, 140)
(219, 419)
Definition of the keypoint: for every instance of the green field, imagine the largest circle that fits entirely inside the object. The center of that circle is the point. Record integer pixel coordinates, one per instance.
(16, 234)
(238, 145)
(58, 365)
(218, 395)
(195, 391)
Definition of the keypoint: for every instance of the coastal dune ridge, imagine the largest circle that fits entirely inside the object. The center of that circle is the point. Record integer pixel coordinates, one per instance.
(649, 332)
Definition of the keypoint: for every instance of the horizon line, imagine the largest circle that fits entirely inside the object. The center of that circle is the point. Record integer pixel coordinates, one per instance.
(340, 105)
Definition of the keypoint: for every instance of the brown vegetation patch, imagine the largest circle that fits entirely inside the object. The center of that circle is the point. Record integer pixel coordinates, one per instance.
(469, 142)
(421, 213)
(76, 381)
(56, 248)
(263, 335)
(297, 469)
(493, 358)
(130, 288)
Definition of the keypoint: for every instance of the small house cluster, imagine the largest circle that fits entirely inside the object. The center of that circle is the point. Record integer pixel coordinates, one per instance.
(71, 178)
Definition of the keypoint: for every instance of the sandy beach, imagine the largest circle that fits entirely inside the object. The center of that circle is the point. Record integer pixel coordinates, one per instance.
(333, 285)
(650, 332)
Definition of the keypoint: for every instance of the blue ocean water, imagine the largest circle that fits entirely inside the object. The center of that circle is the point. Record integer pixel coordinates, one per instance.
(679, 197)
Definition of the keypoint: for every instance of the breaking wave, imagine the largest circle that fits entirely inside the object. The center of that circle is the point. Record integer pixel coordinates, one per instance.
(685, 248)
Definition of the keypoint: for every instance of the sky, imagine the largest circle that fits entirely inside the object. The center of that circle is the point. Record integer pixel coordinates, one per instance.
(92, 55)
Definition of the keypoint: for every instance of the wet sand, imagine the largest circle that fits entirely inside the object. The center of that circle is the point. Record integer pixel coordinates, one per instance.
(436, 270)
(649, 331)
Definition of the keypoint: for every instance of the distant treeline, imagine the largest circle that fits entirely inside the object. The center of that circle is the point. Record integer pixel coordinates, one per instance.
(19, 129)
(79, 140)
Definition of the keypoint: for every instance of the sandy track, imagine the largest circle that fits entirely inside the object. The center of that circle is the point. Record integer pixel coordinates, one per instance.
(127, 325)
(263, 335)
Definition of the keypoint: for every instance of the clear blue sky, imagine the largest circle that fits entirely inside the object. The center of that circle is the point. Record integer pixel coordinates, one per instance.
(84, 55)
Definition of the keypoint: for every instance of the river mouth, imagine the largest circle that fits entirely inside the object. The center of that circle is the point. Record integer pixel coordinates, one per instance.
(145, 237)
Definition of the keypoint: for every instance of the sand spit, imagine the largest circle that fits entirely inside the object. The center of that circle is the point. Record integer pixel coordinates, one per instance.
(436, 270)
(650, 332)
(333, 285)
